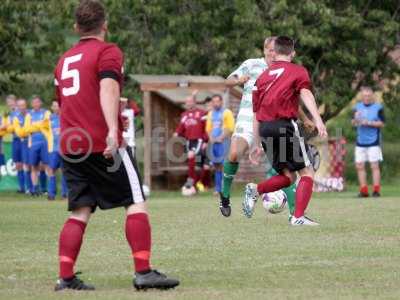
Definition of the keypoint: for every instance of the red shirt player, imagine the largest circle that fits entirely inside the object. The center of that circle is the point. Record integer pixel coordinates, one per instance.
(276, 98)
(100, 171)
(192, 127)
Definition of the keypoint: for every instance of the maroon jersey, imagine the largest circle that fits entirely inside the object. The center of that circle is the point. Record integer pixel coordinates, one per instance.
(77, 79)
(192, 125)
(276, 92)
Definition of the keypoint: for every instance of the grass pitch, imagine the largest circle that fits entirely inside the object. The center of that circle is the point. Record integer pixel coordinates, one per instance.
(353, 255)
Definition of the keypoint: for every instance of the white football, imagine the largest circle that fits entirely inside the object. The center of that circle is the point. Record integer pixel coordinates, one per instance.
(188, 191)
(274, 202)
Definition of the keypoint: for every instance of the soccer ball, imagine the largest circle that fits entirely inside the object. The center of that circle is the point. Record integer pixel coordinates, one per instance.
(274, 202)
(188, 191)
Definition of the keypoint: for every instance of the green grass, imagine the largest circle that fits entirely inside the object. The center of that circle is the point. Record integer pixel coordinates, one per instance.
(353, 255)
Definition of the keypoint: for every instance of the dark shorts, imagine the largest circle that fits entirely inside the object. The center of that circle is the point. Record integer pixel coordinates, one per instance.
(104, 183)
(284, 145)
(194, 145)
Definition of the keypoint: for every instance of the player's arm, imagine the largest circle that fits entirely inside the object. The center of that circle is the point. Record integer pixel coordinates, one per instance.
(45, 125)
(380, 123)
(239, 77)
(110, 73)
(308, 124)
(309, 101)
(10, 127)
(229, 124)
(19, 130)
(180, 130)
(109, 101)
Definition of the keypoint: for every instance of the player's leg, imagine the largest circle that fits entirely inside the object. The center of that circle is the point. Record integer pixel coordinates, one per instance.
(52, 167)
(299, 161)
(376, 178)
(64, 187)
(126, 179)
(238, 148)
(303, 196)
(70, 242)
(52, 184)
(217, 159)
(26, 168)
(81, 202)
(360, 155)
(374, 157)
(17, 159)
(191, 161)
(44, 156)
(290, 191)
(34, 162)
(204, 180)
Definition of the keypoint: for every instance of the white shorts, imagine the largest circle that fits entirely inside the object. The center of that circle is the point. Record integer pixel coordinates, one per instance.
(368, 154)
(244, 125)
(244, 133)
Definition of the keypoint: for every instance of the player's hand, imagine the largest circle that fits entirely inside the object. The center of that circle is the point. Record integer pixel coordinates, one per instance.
(309, 126)
(322, 132)
(125, 123)
(219, 139)
(204, 146)
(243, 79)
(112, 144)
(255, 155)
(175, 135)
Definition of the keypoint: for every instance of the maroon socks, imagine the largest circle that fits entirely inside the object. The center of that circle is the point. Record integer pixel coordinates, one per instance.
(69, 246)
(138, 234)
(273, 184)
(303, 195)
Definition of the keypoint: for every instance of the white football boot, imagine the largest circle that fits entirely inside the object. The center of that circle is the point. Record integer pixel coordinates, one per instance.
(302, 221)
(250, 198)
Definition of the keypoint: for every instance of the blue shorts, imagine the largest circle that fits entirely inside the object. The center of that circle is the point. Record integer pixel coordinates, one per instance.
(25, 152)
(2, 160)
(16, 149)
(38, 153)
(55, 161)
(217, 153)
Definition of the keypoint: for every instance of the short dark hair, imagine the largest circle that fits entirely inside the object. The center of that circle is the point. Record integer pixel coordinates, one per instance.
(217, 96)
(207, 99)
(90, 16)
(284, 45)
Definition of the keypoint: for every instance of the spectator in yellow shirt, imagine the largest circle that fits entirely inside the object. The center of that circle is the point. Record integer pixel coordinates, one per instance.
(219, 127)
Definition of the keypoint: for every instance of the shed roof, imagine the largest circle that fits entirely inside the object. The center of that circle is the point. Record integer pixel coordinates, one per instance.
(177, 94)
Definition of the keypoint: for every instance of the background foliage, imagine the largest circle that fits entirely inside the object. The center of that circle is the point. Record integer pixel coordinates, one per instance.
(344, 44)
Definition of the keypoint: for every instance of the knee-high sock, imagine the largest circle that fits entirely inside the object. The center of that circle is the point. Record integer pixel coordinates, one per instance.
(192, 168)
(289, 191)
(218, 180)
(273, 184)
(230, 170)
(64, 189)
(21, 180)
(28, 181)
(203, 176)
(138, 234)
(303, 195)
(70, 242)
(52, 186)
(43, 181)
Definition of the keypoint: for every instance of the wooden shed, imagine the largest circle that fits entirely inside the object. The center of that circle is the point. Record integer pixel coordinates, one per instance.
(163, 101)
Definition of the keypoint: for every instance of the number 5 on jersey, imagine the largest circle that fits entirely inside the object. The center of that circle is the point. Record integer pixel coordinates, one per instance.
(68, 73)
